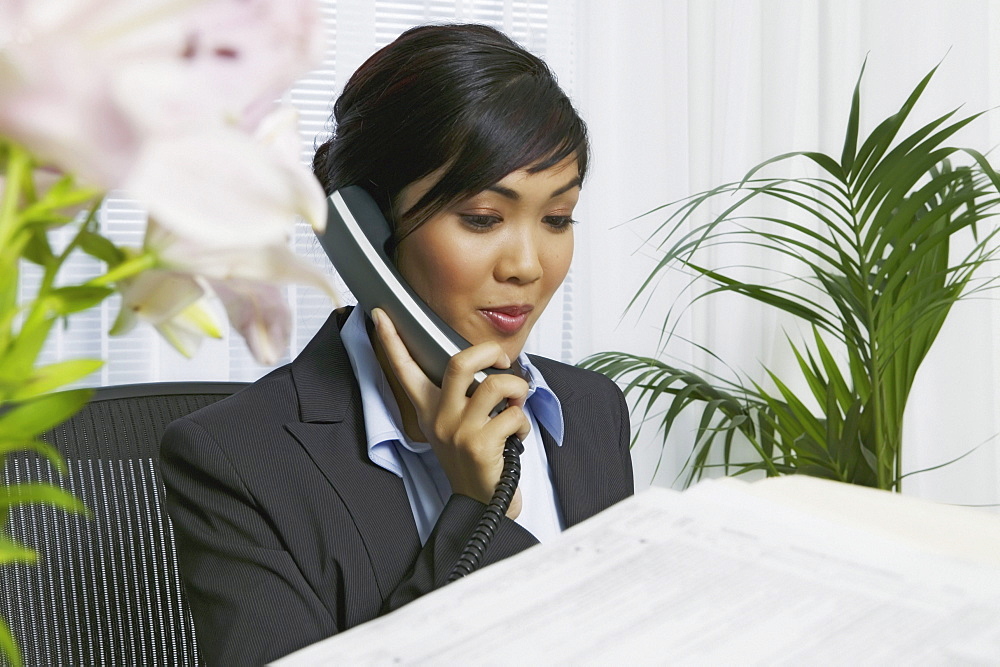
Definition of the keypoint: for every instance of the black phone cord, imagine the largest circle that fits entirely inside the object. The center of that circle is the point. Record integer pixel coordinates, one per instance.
(472, 555)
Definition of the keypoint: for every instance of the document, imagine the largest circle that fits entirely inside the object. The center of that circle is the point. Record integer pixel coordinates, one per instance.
(792, 572)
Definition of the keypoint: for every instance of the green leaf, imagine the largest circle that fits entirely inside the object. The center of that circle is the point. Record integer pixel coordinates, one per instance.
(724, 413)
(37, 415)
(826, 162)
(41, 492)
(881, 138)
(851, 140)
(845, 396)
(66, 300)
(52, 376)
(101, 247)
(17, 364)
(63, 195)
(39, 446)
(866, 254)
(12, 552)
(812, 375)
(37, 249)
(132, 266)
(803, 430)
(767, 295)
(9, 646)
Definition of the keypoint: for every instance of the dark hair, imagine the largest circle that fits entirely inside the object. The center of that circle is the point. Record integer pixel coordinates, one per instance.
(462, 98)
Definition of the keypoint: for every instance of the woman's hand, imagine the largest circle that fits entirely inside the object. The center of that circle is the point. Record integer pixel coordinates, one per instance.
(466, 440)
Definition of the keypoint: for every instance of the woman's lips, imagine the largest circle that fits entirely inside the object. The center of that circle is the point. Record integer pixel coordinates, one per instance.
(507, 319)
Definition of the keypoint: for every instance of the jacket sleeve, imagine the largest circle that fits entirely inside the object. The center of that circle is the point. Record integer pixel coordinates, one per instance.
(250, 600)
(625, 441)
(461, 513)
(454, 526)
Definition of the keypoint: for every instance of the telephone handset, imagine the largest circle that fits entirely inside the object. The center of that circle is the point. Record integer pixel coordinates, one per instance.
(355, 240)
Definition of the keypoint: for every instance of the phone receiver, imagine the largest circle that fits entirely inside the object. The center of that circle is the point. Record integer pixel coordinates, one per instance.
(355, 240)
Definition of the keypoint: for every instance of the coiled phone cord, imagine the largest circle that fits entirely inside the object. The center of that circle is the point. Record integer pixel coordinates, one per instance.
(472, 555)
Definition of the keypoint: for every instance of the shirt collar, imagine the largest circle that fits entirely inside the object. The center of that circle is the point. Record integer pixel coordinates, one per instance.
(542, 401)
(383, 423)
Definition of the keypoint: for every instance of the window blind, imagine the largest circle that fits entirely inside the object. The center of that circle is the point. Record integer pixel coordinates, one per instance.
(354, 30)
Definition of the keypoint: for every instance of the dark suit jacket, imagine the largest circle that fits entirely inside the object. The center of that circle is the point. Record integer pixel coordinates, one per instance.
(287, 533)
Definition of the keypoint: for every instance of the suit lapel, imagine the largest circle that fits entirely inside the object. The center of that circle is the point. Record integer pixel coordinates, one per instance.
(575, 482)
(332, 432)
(578, 478)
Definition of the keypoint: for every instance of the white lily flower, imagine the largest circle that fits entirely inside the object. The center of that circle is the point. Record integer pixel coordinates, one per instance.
(246, 279)
(278, 131)
(57, 72)
(261, 315)
(84, 83)
(171, 301)
(237, 57)
(169, 100)
(223, 188)
(236, 244)
(189, 327)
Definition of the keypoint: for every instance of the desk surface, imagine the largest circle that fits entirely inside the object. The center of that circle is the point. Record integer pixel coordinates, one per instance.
(786, 570)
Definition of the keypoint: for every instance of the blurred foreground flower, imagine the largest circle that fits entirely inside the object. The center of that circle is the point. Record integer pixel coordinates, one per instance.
(244, 277)
(172, 102)
(247, 242)
(86, 84)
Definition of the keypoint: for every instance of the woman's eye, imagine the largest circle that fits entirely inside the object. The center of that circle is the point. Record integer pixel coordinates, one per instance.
(480, 222)
(559, 222)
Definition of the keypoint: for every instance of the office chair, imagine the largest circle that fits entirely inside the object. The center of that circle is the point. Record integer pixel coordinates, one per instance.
(106, 590)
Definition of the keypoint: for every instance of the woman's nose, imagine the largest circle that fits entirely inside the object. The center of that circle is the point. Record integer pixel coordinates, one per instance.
(519, 260)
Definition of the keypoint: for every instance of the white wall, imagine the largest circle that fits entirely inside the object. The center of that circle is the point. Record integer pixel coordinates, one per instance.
(681, 96)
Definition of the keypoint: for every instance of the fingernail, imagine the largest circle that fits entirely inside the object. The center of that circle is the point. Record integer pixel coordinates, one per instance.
(377, 316)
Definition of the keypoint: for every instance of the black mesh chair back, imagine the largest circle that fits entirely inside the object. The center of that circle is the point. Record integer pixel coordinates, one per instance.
(106, 590)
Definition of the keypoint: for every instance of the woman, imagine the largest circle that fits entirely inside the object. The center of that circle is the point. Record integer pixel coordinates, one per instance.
(346, 484)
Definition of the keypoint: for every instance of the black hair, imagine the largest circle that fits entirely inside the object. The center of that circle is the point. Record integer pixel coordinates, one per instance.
(463, 99)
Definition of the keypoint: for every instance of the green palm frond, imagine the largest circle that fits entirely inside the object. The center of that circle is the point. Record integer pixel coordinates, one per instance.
(871, 237)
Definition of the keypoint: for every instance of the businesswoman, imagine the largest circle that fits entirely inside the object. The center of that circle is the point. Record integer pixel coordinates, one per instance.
(346, 484)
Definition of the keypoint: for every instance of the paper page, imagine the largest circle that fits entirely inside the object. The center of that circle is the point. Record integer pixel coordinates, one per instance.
(967, 533)
(710, 576)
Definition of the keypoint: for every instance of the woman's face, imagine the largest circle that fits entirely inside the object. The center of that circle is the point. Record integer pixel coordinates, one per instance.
(489, 265)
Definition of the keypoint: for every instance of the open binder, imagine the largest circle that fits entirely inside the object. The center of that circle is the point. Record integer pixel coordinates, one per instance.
(790, 570)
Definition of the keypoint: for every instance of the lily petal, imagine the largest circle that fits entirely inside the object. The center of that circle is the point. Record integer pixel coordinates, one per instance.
(259, 312)
(188, 328)
(220, 188)
(171, 301)
(155, 296)
(279, 132)
(271, 263)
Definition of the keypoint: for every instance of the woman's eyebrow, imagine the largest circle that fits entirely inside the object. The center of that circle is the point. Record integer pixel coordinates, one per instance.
(514, 195)
(575, 183)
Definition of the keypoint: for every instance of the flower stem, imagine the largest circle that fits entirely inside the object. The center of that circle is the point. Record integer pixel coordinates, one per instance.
(18, 164)
(53, 268)
(127, 269)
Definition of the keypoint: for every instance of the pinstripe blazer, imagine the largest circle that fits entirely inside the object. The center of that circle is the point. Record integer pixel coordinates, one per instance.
(287, 533)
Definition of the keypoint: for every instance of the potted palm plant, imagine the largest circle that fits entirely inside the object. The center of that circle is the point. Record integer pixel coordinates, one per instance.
(872, 235)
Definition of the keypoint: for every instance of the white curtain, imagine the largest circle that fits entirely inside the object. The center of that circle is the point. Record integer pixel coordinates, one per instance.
(682, 96)
(679, 96)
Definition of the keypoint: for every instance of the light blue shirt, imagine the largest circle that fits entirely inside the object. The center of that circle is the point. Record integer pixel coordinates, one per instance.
(427, 487)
